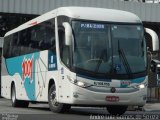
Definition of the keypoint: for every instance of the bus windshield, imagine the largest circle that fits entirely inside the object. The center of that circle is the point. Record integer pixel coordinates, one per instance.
(108, 48)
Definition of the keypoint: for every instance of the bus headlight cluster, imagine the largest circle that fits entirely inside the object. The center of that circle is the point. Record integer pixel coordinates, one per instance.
(141, 86)
(76, 82)
(72, 80)
(81, 84)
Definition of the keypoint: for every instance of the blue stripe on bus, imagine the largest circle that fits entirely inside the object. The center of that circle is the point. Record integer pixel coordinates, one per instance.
(14, 66)
(131, 81)
(93, 78)
(138, 80)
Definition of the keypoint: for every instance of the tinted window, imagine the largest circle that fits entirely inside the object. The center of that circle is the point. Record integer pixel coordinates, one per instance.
(64, 50)
(46, 36)
(33, 39)
(6, 46)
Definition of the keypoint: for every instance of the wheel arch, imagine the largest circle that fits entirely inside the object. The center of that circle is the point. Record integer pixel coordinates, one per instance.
(51, 82)
(12, 84)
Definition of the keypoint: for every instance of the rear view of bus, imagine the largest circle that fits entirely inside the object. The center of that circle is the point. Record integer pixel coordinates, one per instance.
(99, 60)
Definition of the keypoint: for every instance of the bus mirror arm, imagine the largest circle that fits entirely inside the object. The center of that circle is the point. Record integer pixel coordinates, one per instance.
(68, 33)
(155, 40)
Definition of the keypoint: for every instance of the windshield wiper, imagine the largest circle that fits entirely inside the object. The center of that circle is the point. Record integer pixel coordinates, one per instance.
(124, 60)
(100, 60)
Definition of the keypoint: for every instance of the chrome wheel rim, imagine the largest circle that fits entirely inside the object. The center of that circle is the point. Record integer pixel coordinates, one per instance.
(53, 98)
(13, 96)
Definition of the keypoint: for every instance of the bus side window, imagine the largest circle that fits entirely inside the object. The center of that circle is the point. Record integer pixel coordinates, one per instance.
(13, 46)
(47, 40)
(46, 36)
(22, 43)
(6, 47)
(53, 44)
(64, 50)
(34, 41)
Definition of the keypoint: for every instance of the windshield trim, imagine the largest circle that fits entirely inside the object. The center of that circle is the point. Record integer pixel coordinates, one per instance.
(88, 73)
(107, 22)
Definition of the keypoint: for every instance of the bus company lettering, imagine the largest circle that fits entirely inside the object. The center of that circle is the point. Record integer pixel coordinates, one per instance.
(27, 68)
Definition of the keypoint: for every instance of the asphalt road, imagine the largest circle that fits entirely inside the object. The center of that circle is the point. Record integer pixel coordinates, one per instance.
(42, 112)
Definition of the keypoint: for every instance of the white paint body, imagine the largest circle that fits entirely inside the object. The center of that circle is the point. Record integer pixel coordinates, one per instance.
(66, 90)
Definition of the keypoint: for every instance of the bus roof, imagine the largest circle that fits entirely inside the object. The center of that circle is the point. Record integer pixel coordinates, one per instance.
(86, 13)
(98, 14)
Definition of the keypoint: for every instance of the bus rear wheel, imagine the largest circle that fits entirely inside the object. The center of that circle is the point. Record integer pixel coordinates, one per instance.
(15, 102)
(53, 104)
(117, 109)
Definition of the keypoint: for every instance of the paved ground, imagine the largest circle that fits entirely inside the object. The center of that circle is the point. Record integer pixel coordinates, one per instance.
(42, 112)
(152, 107)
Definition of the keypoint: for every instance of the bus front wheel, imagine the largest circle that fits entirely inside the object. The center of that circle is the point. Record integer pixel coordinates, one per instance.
(53, 104)
(117, 110)
(15, 102)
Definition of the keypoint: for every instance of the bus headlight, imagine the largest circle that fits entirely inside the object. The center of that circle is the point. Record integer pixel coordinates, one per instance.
(81, 84)
(141, 86)
(77, 82)
(71, 79)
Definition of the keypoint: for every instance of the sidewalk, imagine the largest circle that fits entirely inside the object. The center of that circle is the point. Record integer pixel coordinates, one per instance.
(152, 107)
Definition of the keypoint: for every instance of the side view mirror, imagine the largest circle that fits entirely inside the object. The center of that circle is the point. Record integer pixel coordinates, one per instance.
(155, 68)
(68, 33)
(155, 40)
(155, 65)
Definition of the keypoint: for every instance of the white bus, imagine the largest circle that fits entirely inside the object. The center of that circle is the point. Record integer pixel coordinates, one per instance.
(77, 56)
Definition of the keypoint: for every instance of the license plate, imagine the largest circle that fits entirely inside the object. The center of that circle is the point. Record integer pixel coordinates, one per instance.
(112, 98)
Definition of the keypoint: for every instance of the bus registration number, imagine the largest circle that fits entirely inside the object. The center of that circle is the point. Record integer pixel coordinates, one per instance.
(112, 98)
(102, 84)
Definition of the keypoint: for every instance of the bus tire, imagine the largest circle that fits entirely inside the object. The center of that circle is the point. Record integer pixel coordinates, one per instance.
(53, 104)
(117, 109)
(15, 102)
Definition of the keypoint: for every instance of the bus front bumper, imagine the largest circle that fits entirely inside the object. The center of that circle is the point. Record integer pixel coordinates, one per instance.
(82, 96)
